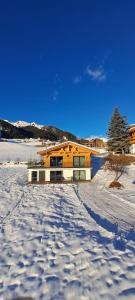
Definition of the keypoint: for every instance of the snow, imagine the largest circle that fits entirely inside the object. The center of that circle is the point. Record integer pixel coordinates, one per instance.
(23, 150)
(115, 206)
(99, 150)
(65, 241)
(59, 241)
(18, 151)
(131, 125)
(24, 124)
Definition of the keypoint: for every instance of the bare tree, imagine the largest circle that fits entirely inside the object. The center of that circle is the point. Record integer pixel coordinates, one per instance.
(117, 164)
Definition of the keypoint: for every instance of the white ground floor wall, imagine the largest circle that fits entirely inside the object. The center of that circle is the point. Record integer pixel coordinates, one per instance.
(132, 149)
(67, 173)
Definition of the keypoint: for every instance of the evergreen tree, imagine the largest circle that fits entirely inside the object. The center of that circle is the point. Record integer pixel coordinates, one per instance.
(118, 137)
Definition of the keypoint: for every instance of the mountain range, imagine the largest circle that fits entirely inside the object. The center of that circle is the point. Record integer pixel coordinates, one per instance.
(21, 124)
(22, 129)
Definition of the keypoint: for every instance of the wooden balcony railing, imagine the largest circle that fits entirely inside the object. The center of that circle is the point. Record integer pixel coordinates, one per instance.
(40, 164)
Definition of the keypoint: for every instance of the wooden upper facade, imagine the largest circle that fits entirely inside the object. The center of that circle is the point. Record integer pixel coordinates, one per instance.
(132, 134)
(67, 155)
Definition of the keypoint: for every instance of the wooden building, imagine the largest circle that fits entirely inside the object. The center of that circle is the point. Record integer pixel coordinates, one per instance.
(96, 143)
(67, 161)
(132, 138)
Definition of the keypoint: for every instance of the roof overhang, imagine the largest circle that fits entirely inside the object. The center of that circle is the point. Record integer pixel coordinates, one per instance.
(64, 144)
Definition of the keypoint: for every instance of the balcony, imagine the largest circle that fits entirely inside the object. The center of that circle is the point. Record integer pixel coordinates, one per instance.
(35, 164)
(58, 163)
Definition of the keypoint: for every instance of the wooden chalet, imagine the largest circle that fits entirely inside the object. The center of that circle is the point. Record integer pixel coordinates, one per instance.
(65, 162)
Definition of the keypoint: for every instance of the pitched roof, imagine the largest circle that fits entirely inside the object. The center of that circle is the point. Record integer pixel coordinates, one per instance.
(48, 149)
(131, 128)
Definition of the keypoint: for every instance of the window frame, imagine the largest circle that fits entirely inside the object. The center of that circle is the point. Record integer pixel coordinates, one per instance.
(79, 162)
(79, 173)
(56, 163)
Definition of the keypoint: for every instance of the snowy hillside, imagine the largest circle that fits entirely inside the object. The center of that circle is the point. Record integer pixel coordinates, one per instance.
(111, 208)
(17, 151)
(60, 241)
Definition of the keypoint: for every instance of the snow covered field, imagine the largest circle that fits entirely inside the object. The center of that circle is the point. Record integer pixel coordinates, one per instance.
(14, 150)
(116, 206)
(61, 242)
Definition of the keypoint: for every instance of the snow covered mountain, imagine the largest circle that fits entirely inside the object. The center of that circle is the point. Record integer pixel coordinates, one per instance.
(22, 129)
(21, 124)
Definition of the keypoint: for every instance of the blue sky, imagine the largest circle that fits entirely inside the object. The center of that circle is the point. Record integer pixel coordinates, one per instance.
(67, 63)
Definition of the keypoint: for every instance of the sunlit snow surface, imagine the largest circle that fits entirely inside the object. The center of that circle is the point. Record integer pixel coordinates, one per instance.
(14, 150)
(61, 242)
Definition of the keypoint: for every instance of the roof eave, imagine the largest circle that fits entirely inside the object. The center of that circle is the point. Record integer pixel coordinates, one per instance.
(49, 149)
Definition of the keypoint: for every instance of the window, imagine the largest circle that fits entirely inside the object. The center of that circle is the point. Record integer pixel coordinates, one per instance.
(56, 175)
(79, 175)
(34, 175)
(79, 161)
(56, 161)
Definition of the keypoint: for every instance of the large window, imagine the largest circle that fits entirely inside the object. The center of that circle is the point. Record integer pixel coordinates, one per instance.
(79, 161)
(56, 161)
(79, 175)
(56, 176)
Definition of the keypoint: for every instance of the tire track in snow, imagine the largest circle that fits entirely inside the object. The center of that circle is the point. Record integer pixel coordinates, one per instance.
(130, 204)
(105, 223)
(89, 212)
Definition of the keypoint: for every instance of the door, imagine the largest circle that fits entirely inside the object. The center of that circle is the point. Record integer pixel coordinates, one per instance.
(79, 175)
(34, 176)
(76, 175)
(41, 175)
(82, 175)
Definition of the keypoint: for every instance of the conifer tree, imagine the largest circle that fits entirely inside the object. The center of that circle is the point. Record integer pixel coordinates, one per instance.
(118, 137)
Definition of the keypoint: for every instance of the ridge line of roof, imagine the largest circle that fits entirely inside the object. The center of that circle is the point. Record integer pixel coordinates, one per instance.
(63, 143)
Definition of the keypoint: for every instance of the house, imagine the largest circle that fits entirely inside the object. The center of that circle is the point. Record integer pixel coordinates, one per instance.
(131, 130)
(97, 143)
(67, 161)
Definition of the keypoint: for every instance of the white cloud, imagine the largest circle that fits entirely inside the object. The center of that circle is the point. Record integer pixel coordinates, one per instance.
(77, 79)
(97, 74)
(57, 87)
(55, 95)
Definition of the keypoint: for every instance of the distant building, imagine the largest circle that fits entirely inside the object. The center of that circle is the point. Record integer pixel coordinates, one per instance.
(132, 138)
(47, 142)
(97, 143)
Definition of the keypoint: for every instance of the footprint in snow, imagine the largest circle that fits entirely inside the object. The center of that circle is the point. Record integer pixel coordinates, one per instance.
(128, 292)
